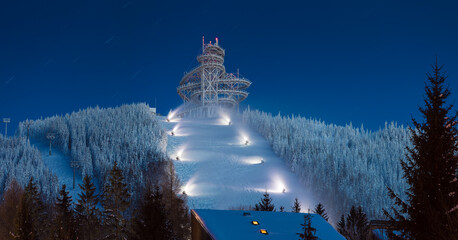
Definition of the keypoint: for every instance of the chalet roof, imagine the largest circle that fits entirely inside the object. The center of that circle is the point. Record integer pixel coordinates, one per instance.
(230, 225)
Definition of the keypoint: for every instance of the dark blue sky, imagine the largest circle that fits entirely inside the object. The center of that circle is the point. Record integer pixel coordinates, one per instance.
(362, 62)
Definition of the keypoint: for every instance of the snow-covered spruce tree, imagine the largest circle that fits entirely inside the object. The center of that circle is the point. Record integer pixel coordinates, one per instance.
(308, 232)
(355, 226)
(431, 168)
(116, 201)
(64, 220)
(31, 219)
(151, 221)
(265, 204)
(87, 214)
(319, 209)
(297, 206)
(9, 207)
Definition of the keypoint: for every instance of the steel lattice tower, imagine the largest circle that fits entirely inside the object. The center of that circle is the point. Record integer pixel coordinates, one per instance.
(208, 84)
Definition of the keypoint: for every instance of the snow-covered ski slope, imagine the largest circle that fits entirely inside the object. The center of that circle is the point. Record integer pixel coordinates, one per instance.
(59, 164)
(219, 170)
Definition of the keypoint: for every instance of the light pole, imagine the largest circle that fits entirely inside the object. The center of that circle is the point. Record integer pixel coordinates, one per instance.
(50, 137)
(6, 121)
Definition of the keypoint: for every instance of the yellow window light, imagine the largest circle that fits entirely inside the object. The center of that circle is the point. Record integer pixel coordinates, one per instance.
(263, 231)
(255, 222)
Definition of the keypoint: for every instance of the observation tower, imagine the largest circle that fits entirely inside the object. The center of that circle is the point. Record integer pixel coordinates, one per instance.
(209, 85)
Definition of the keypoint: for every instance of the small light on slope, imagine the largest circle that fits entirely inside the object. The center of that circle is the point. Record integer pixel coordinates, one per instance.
(263, 231)
(255, 222)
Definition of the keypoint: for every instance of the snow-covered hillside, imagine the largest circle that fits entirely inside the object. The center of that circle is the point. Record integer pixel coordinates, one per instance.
(220, 171)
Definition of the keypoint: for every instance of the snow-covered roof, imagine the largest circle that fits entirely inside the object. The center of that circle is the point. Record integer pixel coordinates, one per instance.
(230, 225)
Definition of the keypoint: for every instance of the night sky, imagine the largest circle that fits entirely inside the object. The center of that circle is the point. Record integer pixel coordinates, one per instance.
(361, 62)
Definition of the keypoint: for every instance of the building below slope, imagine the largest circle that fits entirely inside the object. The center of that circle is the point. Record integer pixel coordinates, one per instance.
(240, 225)
(209, 85)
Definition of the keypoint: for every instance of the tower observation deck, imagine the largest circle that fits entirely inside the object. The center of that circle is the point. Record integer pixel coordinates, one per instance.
(209, 85)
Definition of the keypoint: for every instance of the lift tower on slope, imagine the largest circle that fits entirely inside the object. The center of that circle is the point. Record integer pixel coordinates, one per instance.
(209, 85)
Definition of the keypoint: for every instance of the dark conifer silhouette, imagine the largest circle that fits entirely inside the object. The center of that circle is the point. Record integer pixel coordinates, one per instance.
(64, 220)
(430, 169)
(116, 201)
(9, 207)
(308, 232)
(265, 204)
(297, 206)
(31, 219)
(355, 226)
(319, 209)
(152, 221)
(87, 214)
(176, 203)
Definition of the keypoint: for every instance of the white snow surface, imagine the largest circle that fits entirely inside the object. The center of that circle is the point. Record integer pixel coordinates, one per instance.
(218, 171)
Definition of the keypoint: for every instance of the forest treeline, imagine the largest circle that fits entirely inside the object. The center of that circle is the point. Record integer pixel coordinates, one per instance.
(342, 165)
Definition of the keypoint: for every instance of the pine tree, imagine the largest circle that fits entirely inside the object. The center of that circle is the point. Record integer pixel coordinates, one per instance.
(297, 206)
(308, 232)
(9, 207)
(64, 221)
(116, 201)
(151, 221)
(175, 203)
(430, 169)
(265, 204)
(319, 209)
(87, 214)
(355, 226)
(282, 209)
(31, 218)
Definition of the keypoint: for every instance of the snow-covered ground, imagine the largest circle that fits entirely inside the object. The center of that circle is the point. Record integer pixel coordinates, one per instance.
(59, 164)
(220, 171)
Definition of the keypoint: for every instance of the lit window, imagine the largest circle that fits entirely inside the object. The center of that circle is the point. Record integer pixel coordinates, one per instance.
(255, 222)
(263, 231)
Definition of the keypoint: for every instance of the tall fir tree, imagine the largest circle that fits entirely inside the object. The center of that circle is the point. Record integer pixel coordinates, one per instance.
(9, 207)
(151, 221)
(308, 232)
(265, 204)
(31, 219)
(64, 219)
(430, 169)
(319, 209)
(297, 206)
(116, 201)
(176, 203)
(87, 214)
(355, 226)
